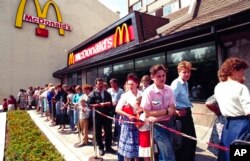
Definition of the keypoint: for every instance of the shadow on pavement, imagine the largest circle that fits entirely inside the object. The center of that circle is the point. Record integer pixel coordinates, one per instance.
(203, 157)
(199, 149)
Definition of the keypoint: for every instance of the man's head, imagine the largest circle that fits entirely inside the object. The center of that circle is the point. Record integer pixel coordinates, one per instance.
(158, 75)
(99, 84)
(184, 70)
(113, 83)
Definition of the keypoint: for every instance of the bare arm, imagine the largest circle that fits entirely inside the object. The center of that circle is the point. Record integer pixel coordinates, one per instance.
(157, 113)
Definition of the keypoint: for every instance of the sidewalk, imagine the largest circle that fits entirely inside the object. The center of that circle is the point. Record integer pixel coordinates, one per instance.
(64, 142)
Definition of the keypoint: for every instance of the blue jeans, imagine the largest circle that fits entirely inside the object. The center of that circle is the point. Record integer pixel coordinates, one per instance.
(71, 119)
(164, 141)
(76, 116)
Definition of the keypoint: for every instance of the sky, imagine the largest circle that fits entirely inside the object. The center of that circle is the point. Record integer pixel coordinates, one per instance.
(117, 5)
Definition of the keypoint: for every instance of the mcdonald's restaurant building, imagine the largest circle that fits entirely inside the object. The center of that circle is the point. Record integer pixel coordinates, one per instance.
(36, 34)
(204, 33)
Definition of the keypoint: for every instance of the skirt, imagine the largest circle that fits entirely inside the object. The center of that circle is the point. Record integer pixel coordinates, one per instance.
(235, 128)
(129, 142)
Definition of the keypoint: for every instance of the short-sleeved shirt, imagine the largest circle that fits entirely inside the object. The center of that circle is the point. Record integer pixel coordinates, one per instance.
(128, 98)
(116, 95)
(180, 89)
(233, 98)
(156, 99)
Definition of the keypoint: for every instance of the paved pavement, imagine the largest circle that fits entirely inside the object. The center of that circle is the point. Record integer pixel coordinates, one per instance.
(65, 141)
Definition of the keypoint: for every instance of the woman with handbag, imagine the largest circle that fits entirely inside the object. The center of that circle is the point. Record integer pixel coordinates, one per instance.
(129, 142)
(234, 101)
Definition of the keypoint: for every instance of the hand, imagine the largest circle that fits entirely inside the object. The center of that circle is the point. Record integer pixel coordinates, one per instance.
(171, 110)
(181, 113)
(151, 119)
(102, 104)
(131, 117)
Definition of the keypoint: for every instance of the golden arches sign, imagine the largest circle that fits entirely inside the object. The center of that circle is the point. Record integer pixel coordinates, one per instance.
(71, 59)
(41, 13)
(119, 35)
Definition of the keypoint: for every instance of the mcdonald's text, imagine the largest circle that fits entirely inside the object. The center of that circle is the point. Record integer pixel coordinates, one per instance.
(37, 20)
(121, 36)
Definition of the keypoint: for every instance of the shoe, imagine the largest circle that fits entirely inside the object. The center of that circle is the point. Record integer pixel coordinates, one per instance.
(101, 152)
(110, 150)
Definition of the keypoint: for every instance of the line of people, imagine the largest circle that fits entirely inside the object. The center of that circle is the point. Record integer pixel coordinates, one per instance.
(145, 104)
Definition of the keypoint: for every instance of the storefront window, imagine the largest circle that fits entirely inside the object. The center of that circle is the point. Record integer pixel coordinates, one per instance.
(105, 72)
(123, 66)
(69, 79)
(204, 77)
(239, 46)
(91, 76)
(79, 78)
(148, 61)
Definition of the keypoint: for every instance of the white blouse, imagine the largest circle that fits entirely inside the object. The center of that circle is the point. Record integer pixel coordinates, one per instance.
(128, 98)
(233, 98)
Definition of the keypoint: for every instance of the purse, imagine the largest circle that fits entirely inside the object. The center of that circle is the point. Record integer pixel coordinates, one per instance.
(212, 105)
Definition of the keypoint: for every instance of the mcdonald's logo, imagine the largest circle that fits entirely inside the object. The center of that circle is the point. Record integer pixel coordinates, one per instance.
(42, 15)
(123, 34)
(71, 59)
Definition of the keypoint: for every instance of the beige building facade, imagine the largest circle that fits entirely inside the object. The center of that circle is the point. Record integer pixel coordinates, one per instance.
(29, 60)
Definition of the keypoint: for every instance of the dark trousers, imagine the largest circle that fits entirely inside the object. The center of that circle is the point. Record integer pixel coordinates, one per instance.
(106, 124)
(117, 129)
(187, 151)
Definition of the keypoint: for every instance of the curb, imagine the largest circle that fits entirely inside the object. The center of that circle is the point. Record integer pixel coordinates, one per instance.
(2, 132)
(62, 148)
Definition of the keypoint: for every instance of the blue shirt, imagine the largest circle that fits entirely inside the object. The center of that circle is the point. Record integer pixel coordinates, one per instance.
(76, 98)
(116, 95)
(180, 89)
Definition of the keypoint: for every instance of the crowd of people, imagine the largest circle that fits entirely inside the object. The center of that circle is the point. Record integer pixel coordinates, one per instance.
(136, 107)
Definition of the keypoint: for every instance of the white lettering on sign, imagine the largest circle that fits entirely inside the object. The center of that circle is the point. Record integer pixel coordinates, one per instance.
(99, 47)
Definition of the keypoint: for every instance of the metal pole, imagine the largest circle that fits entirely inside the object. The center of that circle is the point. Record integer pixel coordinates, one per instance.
(95, 158)
(78, 125)
(94, 133)
(152, 153)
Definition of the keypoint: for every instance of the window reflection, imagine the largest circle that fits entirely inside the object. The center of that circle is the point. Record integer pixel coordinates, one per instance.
(105, 72)
(79, 78)
(127, 65)
(91, 76)
(148, 61)
(203, 59)
(69, 79)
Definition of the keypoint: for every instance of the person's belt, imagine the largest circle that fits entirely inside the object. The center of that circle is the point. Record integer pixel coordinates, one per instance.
(236, 117)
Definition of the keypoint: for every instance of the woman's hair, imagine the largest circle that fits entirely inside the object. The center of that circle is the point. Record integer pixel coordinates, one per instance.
(155, 68)
(133, 77)
(87, 87)
(229, 66)
(184, 65)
